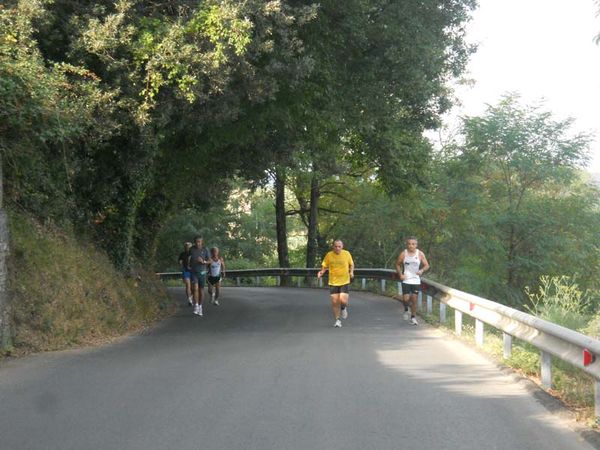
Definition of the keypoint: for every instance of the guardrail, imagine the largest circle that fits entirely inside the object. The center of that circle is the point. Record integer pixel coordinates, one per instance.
(551, 339)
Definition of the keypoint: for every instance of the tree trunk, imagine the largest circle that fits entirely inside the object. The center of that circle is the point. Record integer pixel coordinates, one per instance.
(5, 332)
(282, 243)
(312, 245)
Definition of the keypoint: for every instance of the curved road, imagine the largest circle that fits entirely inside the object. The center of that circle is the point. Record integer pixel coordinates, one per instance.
(266, 370)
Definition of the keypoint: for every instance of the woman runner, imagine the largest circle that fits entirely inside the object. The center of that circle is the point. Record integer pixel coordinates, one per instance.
(216, 272)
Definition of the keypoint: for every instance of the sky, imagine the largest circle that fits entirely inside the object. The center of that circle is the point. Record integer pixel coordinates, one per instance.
(542, 49)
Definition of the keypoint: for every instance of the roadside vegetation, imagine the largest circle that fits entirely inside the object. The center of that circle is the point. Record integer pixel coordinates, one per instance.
(67, 293)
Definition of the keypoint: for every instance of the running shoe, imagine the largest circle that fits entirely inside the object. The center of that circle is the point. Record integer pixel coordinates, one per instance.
(217, 303)
(413, 321)
(338, 323)
(200, 311)
(190, 302)
(406, 315)
(196, 309)
(345, 313)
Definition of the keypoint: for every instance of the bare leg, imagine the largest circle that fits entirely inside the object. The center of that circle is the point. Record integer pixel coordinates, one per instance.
(413, 304)
(343, 300)
(196, 294)
(335, 305)
(188, 287)
(406, 301)
(200, 294)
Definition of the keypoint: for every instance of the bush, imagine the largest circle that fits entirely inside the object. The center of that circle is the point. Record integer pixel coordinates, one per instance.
(561, 301)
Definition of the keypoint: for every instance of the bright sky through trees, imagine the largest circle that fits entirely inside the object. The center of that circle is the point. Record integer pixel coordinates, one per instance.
(541, 49)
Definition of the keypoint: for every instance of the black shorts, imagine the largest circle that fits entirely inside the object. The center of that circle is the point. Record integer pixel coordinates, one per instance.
(214, 280)
(339, 289)
(410, 288)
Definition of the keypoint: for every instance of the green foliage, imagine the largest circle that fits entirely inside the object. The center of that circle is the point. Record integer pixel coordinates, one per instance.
(559, 300)
(65, 293)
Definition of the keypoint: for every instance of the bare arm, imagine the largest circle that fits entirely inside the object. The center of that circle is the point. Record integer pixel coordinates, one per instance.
(424, 262)
(223, 267)
(400, 266)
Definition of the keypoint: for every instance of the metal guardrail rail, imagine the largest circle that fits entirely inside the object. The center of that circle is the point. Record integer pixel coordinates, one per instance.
(552, 339)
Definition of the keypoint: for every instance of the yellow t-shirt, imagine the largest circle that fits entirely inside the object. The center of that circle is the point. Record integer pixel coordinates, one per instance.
(339, 267)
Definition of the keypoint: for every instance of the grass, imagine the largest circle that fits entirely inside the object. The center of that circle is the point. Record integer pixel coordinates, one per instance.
(64, 293)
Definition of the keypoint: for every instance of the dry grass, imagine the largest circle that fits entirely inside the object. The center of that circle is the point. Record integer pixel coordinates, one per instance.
(64, 293)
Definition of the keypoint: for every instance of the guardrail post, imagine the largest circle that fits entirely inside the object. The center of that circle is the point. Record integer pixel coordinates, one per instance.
(321, 282)
(363, 284)
(237, 281)
(507, 341)
(382, 285)
(257, 280)
(546, 370)
(429, 304)
(597, 400)
(299, 281)
(442, 312)
(399, 288)
(479, 332)
(457, 322)
(278, 280)
(420, 301)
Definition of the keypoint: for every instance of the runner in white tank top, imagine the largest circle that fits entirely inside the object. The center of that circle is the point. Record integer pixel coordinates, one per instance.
(216, 272)
(410, 265)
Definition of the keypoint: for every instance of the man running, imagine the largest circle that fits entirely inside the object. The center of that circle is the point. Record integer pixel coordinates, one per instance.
(410, 265)
(341, 271)
(186, 272)
(216, 272)
(198, 260)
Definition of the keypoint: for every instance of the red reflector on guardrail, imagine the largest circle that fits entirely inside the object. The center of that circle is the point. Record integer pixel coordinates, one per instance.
(588, 357)
(471, 306)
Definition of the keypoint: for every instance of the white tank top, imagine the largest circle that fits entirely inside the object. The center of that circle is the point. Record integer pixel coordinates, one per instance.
(215, 268)
(411, 267)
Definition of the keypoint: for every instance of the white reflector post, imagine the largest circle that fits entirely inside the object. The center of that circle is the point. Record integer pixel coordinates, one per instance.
(429, 304)
(363, 284)
(382, 285)
(479, 333)
(507, 344)
(442, 312)
(597, 400)
(546, 370)
(457, 322)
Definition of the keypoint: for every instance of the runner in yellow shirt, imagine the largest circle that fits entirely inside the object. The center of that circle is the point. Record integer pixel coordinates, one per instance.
(341, 271)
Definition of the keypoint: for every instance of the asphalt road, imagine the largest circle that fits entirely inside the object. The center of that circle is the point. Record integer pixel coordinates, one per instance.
(266, 370)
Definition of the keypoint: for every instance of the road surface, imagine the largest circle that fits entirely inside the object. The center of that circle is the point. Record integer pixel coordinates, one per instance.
(266, 370)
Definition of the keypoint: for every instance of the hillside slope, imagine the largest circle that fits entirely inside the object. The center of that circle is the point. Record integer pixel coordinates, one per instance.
(64, 293)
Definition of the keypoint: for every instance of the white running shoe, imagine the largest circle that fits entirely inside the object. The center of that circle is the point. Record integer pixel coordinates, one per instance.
(190, 302)
(200, 311)
(406, 315)
(413, 321)
(345, 313)
(338, 323)
(196, 309)
(217, 303)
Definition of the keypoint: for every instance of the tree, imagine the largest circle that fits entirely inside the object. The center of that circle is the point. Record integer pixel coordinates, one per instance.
(522, 153)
